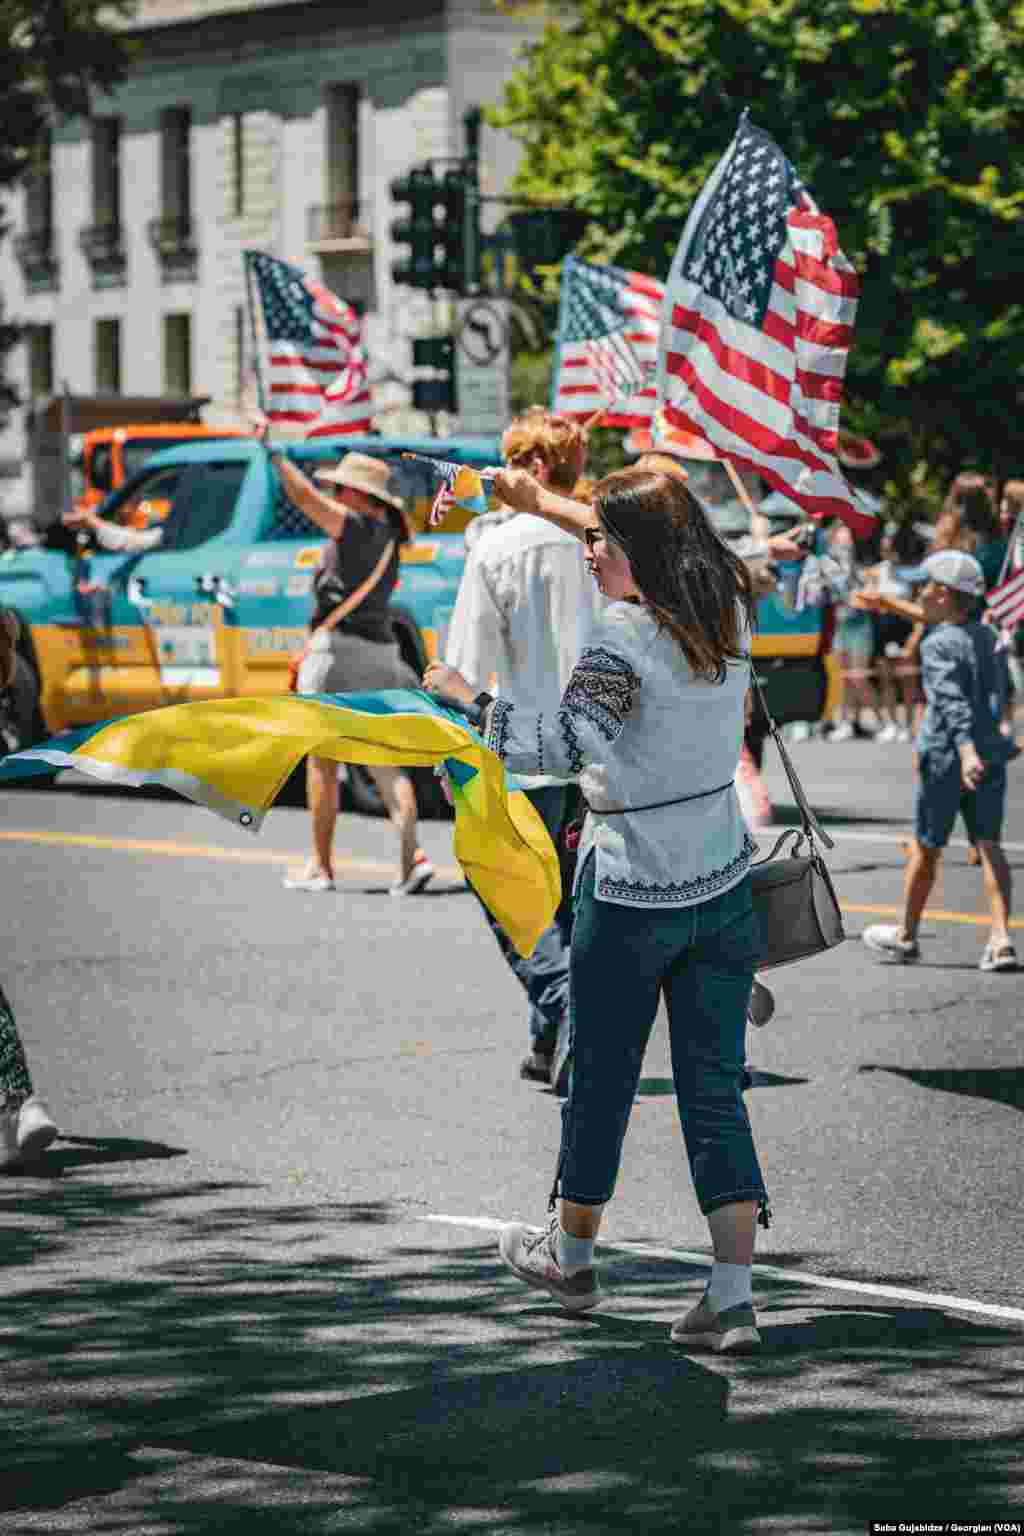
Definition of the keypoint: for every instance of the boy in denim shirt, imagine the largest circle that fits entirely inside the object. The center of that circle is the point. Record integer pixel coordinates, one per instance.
(962, 756)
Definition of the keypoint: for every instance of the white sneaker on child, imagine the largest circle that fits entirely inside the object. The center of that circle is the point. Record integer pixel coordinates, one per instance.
(842, 732)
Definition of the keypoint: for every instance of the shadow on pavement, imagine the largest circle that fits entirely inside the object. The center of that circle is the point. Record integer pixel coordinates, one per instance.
(1002, 1085)
(280, 1369)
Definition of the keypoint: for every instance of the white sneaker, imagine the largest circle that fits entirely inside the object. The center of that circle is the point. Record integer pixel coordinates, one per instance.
(885, 939)
(421, 874)
(888, 732)
(998, 957)
(25, 1133)
(842, 732)
(36, 1128)
(304, 882)
(904, 733)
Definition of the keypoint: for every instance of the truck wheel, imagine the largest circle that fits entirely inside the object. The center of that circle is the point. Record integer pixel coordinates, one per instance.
(21, 719)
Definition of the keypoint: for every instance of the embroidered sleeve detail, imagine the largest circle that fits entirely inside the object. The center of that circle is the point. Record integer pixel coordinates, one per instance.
(601, 689)
(498, 726)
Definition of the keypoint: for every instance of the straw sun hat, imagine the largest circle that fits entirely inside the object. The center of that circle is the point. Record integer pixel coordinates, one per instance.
(361, 472)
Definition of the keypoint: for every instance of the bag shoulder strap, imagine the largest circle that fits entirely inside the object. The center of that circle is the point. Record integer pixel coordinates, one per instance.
(812, 826)
(351, 602)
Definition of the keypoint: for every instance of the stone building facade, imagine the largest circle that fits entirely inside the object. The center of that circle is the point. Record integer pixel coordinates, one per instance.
(276, 124)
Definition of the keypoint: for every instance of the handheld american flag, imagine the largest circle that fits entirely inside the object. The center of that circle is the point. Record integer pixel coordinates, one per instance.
(315, 367)
(757, 325)
(607, 344)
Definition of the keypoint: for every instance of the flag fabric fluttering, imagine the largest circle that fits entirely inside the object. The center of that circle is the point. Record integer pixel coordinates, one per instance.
(235, 755)
(315, 367)
(757, 325)
(1006, 601)
(607, 344)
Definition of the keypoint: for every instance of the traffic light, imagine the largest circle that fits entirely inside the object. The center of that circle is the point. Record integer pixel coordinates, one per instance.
(460, 231)
(436, 394)
(420, 190)
(434, 352)
(432, 395)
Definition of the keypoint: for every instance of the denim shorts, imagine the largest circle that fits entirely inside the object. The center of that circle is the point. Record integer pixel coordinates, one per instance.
(941, 797)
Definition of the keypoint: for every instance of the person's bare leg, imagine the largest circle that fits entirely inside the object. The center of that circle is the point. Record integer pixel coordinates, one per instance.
(918, 880)
(733, 1229)
(887, 690)
(322, 797)
(397, 792)
(998, 888)
(580, 1220)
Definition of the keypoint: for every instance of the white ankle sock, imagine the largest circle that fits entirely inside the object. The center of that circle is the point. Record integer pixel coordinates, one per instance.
(574, 1253)
(729, 1286)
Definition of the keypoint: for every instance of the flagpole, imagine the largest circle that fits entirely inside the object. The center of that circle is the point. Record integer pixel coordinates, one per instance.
(740, 488)
(251, 307)
(563, 307)
(1011, 541)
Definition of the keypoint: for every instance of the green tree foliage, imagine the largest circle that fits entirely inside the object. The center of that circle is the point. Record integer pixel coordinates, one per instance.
(54, 54)
(904, 117)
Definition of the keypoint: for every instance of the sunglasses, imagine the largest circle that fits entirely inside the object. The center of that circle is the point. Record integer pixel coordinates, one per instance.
(591, 536)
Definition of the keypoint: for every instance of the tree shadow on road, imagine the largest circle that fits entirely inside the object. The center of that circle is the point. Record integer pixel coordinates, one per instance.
(1001, 1085)
(188, 1363)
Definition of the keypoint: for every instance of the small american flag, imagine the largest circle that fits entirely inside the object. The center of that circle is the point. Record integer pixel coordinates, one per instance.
(757, 325)
(315, 365)
(1006, 601)
(607, 344)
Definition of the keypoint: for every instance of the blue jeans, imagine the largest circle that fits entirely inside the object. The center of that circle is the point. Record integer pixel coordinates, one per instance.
(703, 958)
(544, 975)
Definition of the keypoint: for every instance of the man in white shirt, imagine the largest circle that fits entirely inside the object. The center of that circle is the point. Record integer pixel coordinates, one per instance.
(523, 611)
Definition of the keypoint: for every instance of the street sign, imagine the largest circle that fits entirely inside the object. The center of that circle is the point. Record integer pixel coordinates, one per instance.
(482, 366)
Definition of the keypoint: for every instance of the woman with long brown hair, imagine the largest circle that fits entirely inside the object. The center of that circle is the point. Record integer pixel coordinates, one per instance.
(650, 724)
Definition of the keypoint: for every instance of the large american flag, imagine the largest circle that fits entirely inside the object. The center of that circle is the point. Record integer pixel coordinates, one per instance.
(312, 360)
(607, 344)
(757, 325)
(1005, 602)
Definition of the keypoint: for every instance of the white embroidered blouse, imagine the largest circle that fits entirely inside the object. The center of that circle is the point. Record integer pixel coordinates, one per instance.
(636, 727)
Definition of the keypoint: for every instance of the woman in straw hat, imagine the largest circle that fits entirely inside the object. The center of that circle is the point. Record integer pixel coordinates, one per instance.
(352, 646)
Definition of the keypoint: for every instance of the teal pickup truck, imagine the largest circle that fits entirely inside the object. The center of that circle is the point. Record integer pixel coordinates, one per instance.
(223, 603)
(220, 607)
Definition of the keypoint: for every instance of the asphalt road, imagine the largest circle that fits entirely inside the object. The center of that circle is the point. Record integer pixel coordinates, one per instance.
(254, 1286)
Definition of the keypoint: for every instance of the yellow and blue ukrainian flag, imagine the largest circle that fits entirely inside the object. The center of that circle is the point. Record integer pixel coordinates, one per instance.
(235, 755)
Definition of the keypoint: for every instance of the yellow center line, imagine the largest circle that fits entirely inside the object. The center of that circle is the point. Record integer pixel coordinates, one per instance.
(163, 847)
(978, 919)
(167, 849)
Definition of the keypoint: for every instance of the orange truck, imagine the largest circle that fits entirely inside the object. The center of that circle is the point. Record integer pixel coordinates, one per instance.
(99, 441)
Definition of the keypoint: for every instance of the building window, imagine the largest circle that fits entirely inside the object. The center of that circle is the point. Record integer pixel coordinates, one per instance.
(40, 360)
(342, 157)
(176, 162)
(238, 164)
(35, 248)
(172, 235)
(108, 357)
(101, 241)
(178, 354)
(106, 171)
